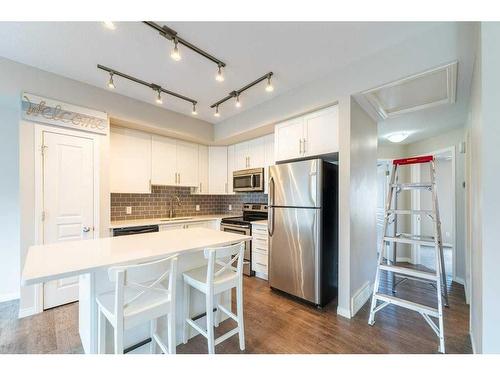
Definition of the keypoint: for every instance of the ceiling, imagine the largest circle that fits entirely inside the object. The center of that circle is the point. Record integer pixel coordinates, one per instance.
(296, 52)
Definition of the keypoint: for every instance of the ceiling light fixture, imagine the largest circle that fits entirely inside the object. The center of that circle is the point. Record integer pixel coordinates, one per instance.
(109, 25)
(194, 112)
(236, 93)
(175, 54)
(269, 86)
(219, 77)
(171, 34)
(397, 137)
(111, 84)
(217, 114)
(153, 86)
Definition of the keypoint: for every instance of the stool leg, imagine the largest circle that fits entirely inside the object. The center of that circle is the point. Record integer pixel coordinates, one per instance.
(218, 314)
(186, 331)
(210, 323)
(119, 337)
(171, 331)
(101, 332)
(152, 331)
(239, 312)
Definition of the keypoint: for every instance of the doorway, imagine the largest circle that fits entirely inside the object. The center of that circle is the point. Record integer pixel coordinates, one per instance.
(66, 196)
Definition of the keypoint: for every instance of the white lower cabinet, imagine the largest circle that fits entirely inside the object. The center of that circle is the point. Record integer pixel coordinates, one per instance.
(211, 224)
(260, 250)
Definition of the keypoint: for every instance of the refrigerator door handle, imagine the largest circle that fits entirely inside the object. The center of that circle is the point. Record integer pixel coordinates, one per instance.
(270, 227)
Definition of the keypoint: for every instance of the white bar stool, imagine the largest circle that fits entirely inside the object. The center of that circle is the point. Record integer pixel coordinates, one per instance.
(135, 301)
(217, 277)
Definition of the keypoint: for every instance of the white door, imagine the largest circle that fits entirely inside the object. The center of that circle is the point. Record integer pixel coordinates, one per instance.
(187, 164)
(68, 202)
(288, 137)
(163, 161)
(321, 132)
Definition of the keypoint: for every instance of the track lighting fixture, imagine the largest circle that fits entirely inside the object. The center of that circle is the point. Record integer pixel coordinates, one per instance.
(175, 54)
(111, 84)
(109, 25)
(194, 112)
(156, 88)
(269, 86)
(171, 34)
(219, 77)
(159, 100)
(236, 93)
(217, 114)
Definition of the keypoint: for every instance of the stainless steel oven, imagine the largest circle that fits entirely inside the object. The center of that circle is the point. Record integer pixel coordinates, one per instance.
(244, 229)
(248, 180)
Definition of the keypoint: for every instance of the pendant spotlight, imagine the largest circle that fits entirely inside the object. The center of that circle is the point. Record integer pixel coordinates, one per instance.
(171, 34)
(157, 88)
(236, 93)
(109, 25)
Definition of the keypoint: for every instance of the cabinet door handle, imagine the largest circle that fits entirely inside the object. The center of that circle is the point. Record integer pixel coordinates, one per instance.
(304, 145)
(225, 187)
(300, 146)
(200, 188)
(179, 178)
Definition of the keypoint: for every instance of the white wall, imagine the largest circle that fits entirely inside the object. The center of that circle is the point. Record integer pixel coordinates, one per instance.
(16, 155)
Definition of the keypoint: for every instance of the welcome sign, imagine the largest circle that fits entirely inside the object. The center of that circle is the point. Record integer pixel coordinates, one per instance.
(53, 112)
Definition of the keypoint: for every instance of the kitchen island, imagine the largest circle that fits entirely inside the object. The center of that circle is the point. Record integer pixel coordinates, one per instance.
(90, 260)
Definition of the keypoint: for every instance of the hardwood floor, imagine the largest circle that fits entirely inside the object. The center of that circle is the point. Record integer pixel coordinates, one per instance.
(274, 323)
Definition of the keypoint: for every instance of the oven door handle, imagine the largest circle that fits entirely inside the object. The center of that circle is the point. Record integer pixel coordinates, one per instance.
(224, 225)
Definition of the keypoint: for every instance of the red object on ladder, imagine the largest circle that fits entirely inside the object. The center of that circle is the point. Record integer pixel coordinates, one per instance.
(417, 160)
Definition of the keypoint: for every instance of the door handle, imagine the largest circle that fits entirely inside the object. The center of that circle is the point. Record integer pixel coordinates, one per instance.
(86, 229)
(304, 145)
(300, 146)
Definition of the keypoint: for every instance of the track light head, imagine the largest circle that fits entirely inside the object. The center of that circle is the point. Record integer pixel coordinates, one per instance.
(219, 77)
(238, 103)
(159, 100)
(194, 112)
(217, 114)
(111, 83)
(109, 25)
(269, 86)
(175, 54)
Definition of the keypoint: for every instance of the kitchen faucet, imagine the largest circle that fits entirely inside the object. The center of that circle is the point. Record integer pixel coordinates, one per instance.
(171, 210)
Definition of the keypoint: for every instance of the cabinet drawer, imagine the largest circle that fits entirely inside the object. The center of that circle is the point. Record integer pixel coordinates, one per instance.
(259, 259)
(259, 230)
(259, 242)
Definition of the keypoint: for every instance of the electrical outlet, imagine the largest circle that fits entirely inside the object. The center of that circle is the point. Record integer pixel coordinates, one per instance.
(197, 207)
(230, 207)
(128, 210)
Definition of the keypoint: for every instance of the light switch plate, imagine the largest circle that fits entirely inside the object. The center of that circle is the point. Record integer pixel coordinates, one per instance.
(197, 207)
(230, 207)
(128, 210)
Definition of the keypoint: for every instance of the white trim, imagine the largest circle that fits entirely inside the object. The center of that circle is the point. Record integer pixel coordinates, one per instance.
(27, 312)
(343, 312)
(471, 336)
(362, 295)
(459, 280)
(8, 297)
(38, 175)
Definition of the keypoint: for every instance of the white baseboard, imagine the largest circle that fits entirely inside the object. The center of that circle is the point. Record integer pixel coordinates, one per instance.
(459, 280)
(27, 312)
(360, 297)
(343, 312)
(8, 297)
(472, 342)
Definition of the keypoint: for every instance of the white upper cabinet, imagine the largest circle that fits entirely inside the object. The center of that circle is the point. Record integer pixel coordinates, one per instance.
(268, 158)
(249, 154)
(230, 168)
(217, 170)
(187, 164)
(202, 169)
(321, 132)
(163, 161)
(309, 135)
(130, 161)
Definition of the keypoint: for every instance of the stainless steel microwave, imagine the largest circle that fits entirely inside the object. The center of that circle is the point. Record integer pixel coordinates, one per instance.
(248, 180)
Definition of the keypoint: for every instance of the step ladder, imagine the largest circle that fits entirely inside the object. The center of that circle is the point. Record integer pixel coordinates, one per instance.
(400, 274)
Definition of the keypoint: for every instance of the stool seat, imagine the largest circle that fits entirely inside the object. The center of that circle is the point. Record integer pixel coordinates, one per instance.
(197, 278)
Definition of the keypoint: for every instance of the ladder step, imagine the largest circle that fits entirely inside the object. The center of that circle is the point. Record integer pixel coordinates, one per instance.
(411, 212)
(413, 185)
(409, 272)
(411, 239)
(408, 304)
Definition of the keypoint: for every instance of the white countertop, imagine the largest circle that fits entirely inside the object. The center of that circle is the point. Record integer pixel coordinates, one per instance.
(260, 222)
(158, 221)
(71, 258)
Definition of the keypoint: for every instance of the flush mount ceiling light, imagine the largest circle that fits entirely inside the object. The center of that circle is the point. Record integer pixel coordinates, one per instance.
(109, 25)
(172, 35)
(397, 137)
(236, 93)
(157, 88)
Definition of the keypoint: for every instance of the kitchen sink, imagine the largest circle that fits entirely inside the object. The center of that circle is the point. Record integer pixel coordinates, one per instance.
(177, 218)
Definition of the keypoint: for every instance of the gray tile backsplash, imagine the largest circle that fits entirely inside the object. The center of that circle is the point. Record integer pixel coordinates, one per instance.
(157, 204)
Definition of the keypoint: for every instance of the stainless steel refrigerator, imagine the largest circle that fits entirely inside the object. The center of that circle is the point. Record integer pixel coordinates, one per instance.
(303, 230)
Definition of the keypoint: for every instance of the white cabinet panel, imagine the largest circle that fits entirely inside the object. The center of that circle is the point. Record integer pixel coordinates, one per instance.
(288, 139)
(230, 168)
(217, 169)
(187, 164)
(268, 158)
(130, 161)
(256, 153)
(321, 132)
(164, 160)
(241, 156)
(202, 169)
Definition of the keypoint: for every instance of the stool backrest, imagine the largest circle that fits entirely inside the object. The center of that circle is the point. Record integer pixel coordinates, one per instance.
(143, 279)
(226, 257)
